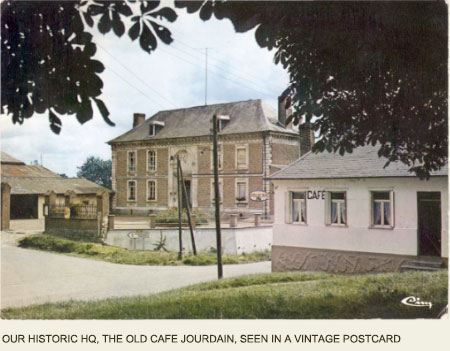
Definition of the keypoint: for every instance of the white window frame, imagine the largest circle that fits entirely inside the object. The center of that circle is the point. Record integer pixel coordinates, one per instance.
(392, 212)
(241, 147)
(290, 207)
(148, 161)
(128, 161)
(155, 190)
(339, 202)
(220, 191)
(219, 157)
(151, 130)
(128, 191)
(236, 189)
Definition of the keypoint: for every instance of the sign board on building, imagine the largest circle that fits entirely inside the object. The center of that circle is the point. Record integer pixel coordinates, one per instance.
(258, 195)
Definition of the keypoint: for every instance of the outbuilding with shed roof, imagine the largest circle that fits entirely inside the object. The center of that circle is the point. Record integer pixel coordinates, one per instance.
(24, 188)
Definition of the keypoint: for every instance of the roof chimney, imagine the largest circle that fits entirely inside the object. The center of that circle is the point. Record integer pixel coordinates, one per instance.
(138, 118)
(306, 138)
(284, 110)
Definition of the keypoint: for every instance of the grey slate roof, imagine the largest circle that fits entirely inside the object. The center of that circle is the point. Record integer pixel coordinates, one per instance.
(363, 162)
(245, 116)
(58, 185)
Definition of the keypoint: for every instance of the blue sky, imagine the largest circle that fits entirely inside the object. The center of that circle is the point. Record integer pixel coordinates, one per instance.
(171, 77)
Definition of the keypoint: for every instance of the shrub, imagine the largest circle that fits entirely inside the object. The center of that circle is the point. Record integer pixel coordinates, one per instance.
(171, 216)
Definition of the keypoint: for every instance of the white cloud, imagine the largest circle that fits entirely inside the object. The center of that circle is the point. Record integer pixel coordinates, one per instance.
(170, 77)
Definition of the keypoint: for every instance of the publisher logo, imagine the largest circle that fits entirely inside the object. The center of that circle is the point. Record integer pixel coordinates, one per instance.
(415, 301)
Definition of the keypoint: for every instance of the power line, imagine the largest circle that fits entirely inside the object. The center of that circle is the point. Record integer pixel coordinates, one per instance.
(256, 79)
(254, 83)
(139, 90)
(221, 75)
(136, 76)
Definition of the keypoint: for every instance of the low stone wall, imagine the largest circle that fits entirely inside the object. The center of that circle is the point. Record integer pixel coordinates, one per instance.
(72, 228)
(234, 240)
(27, 224)
(287, 258)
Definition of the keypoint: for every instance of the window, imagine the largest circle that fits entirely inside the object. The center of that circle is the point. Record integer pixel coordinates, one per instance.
(241, 191)
(151, 190)
(151, 161)
(151, 130)
(241, 157)
(222, 121)
(131, 190)
(131, 161)
(298, 207)
(220, 192)
(382, 209)
(338, 208)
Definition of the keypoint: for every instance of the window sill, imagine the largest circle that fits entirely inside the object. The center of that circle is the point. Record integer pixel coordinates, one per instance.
(385, 227)
(152, 201)
(337, 225)
(151, 172)
(298, 224)
(242, 203)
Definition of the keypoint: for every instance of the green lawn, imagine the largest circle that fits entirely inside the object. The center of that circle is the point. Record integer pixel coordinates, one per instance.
(267, 296)
(118, 255)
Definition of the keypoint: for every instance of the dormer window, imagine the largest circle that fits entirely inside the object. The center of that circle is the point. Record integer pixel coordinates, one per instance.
(151, 130)
(154, 127)
(222, 120)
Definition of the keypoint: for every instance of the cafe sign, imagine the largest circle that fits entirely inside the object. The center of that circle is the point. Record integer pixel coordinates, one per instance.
(258, 195)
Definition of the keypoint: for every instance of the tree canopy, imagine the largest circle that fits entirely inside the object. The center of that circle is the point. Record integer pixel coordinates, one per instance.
(96, 170)
(360, 72)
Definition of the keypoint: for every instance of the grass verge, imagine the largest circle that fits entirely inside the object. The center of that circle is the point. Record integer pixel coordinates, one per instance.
(267, 296)
(118, 255)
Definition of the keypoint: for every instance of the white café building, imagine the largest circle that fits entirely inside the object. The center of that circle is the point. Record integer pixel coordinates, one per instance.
(348, 214)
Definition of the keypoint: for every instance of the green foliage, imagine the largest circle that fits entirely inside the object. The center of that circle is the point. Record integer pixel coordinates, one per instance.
(96, 170)
(161, 244)
(360, 73)
(170, 216)
(111, 254)
(267, 296)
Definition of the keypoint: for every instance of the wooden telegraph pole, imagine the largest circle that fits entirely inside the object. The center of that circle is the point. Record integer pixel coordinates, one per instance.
(217, 199)
(188, 211)
(180, 234)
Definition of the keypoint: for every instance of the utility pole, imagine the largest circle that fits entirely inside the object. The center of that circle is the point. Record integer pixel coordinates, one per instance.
(206, 76)
(180, 234)
(188, 211)
(217, 199)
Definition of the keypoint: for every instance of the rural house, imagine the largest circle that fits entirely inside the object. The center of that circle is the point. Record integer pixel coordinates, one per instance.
(253, 140)
(349, 214)
(23, 191)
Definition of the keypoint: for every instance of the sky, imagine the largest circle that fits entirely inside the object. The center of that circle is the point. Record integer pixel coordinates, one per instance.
(171, 77)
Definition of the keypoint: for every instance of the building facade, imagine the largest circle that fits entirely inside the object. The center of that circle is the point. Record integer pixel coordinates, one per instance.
(349, 214)
(23, 191)
(253, 142)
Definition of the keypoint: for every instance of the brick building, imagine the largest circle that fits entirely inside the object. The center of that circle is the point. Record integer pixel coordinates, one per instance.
(254, 141)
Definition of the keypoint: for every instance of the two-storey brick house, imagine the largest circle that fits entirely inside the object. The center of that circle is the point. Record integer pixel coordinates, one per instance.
(253, 143)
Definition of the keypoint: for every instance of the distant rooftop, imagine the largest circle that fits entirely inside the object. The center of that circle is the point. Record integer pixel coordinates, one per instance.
(245, 117)
(29, 179)
(45, 185)
(363, 162)
(8, 159)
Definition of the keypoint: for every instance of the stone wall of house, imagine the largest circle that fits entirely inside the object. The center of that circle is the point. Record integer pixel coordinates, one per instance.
(198, 170)
(5, 207)
(284, 154)
(73, 228)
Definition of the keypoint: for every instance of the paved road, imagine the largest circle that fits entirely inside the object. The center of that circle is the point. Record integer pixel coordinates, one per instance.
(30, 277)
